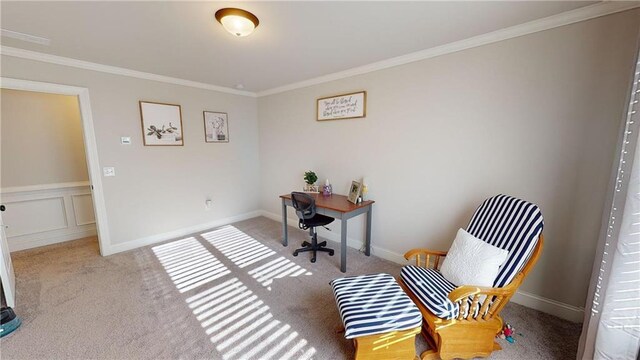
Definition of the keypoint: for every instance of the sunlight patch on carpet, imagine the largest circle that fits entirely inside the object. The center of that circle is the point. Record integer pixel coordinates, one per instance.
(239, 323)
(240, 248)
(277, 269)
(189, 264)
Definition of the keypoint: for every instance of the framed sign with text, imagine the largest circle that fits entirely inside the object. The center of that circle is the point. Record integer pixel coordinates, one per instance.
(346, 106)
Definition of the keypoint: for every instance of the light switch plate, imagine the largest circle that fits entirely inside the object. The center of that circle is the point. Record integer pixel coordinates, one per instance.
(109, 171)
(125, 140)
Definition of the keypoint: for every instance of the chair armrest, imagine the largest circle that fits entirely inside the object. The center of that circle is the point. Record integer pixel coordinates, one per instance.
(466, 291)
(498, 298)
(427, 254)
(413, 252)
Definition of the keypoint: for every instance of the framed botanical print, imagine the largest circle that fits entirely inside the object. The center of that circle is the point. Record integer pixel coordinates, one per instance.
(216, 127)
(161, 124)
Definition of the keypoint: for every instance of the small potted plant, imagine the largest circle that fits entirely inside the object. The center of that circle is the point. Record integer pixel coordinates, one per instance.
(310, 178)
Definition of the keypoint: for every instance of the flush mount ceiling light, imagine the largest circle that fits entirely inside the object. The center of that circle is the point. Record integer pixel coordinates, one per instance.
(237, 21)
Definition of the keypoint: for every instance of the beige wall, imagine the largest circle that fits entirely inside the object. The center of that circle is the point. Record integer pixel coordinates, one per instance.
(162, 189)
(536, 117)
(41, 139)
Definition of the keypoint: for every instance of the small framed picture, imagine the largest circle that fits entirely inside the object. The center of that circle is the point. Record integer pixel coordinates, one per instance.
(161, 124)
(216, 127)
(354, 191)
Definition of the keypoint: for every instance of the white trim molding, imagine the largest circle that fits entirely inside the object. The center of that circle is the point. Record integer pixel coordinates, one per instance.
(40, 187)
(57, 216)
(562, 19)
(90, 145)
(566, 18)
(549, 306)
(115, 70)
(172, 235)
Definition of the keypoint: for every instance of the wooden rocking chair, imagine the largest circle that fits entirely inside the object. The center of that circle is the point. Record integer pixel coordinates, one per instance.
(462, 322)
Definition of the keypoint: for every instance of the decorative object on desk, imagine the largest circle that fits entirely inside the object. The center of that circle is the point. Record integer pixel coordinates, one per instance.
(216, 127)
(310, 179)
(326, 189)
(346, 106)
(161, 124)
(365, 189)
(354, 191)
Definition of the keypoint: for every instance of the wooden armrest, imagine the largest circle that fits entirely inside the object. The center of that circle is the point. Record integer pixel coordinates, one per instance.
(413, 252)
(478, 294)
(465, 291)
(427, 255)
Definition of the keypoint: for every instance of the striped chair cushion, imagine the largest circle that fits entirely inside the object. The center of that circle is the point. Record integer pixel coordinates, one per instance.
(431, 288)
(374, 304)
(510, 224)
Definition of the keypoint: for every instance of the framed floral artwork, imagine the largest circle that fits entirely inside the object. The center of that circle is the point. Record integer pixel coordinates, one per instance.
(216, 127)
(161, 124)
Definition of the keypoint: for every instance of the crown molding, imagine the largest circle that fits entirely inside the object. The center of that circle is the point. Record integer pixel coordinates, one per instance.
(81, 64)
(25, 37)
(565, 18)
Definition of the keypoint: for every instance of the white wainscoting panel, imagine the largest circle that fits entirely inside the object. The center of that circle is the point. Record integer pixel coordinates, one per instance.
(35, 216)
(83, 209)
(47, 214)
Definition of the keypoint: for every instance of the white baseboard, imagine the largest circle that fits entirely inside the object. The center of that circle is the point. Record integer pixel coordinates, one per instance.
(43, 239)
(134, 244)
(549, 306)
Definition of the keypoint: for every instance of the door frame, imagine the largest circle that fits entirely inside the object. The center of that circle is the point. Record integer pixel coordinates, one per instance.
(90, 146)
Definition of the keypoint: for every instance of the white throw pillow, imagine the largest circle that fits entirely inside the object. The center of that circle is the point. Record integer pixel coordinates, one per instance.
(471, 261)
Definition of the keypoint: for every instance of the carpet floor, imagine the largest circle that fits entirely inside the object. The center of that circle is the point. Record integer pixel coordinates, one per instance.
(229, 293)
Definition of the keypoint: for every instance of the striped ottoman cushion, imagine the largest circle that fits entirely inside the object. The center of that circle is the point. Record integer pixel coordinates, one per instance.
(374, 304)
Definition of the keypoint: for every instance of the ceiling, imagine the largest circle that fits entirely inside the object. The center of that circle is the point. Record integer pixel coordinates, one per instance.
(295, 41)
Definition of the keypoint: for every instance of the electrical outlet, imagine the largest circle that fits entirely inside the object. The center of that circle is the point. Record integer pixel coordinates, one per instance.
(109, 171)
(125, 140)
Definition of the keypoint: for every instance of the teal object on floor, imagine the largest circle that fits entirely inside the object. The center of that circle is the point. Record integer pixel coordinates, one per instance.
(9, 322)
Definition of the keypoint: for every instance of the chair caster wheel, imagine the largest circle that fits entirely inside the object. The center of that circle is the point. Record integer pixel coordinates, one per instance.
(295, 253)
(313, 260)
(330, 253)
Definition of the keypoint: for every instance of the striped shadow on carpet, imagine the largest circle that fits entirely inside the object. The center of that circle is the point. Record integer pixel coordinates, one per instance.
(241, 325)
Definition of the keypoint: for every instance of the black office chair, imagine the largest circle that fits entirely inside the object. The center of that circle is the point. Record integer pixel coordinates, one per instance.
(305, 206)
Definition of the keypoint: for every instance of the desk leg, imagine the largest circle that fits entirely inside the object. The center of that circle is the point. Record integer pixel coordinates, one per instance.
(285, 238)
(367, 239)
(343, 245)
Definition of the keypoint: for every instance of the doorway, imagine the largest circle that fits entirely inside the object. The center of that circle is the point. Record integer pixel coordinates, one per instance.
(46, 194)
(63, 202)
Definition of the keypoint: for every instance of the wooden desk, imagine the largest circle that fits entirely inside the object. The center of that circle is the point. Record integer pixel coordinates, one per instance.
(337, 207)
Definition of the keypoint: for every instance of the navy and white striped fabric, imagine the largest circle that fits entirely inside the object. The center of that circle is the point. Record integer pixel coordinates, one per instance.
(503, 221)
(510, 224)
(374, 304)
(432, 289)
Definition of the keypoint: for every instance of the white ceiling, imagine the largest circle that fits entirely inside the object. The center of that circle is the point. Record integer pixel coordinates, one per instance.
(295, 41)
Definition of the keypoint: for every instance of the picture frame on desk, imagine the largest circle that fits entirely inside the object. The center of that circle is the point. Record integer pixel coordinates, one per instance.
(354, 191)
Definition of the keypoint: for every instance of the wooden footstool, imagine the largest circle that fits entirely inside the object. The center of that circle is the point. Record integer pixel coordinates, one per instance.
(380, 318)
